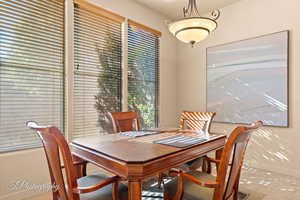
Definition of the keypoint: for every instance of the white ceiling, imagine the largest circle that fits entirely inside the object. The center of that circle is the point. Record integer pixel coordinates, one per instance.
(173, 8)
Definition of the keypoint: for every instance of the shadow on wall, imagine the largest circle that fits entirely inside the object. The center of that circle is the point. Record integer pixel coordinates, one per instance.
(265, 146)
(268, 146)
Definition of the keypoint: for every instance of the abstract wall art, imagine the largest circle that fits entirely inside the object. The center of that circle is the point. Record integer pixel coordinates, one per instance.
(248, 80)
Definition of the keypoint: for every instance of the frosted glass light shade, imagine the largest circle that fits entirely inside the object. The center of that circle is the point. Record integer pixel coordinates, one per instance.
(192, 30)
(192, 35)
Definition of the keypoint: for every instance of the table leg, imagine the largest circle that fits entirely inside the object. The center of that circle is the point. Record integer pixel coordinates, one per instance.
(80, 168)
(135, 190)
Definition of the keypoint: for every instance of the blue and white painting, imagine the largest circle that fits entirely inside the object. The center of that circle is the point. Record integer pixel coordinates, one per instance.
(248, 80)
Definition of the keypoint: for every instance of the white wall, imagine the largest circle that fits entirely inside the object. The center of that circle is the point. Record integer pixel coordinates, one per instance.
(272, 148)
(31, 165)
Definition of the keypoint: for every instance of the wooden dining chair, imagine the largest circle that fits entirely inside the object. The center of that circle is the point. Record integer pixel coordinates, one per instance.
(74, 186)
(129, 121)
(198, 185)
(125, 121)
(196, 121)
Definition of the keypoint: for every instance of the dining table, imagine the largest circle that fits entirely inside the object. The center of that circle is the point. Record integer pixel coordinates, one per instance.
(135, 158)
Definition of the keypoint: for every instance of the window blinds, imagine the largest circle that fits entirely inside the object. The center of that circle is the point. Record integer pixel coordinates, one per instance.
(143, 73)
(97, 70)
(31, 69)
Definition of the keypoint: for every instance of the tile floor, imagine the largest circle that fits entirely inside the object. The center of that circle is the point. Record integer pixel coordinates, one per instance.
(265, 185)
(260, 184)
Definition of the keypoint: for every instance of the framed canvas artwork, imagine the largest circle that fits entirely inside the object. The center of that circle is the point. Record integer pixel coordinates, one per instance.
(248, 80)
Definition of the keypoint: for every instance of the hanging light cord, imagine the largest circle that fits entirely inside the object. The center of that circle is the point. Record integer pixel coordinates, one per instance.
(191, 9)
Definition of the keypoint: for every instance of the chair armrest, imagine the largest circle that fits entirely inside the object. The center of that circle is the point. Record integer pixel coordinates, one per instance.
(82, 190)
(208, 184)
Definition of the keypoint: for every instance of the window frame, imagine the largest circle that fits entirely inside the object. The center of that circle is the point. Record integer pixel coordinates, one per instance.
(91, 26)
(124, 66)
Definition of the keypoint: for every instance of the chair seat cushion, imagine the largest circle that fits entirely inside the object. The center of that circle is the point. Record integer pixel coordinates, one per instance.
(192, 191)
(104, 193)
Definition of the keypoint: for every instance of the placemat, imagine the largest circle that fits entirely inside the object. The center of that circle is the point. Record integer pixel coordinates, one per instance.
(181, 141)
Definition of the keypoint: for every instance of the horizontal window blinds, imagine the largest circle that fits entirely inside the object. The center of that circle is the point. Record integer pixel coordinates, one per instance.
(143, 74)
(97, 81)
(31, 69)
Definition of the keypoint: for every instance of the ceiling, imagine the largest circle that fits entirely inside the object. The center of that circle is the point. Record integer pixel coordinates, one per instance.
(173, 8)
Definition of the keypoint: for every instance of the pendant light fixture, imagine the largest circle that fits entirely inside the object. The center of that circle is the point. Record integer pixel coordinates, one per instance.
(193, 28)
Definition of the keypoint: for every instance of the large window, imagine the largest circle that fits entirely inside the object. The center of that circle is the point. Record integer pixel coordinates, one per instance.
(143, 73)
(31, 69)
(98, 75)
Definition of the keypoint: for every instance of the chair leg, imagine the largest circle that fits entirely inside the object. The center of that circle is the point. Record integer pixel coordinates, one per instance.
(166, 196)
(80, 169)
(115, 191)
(160, 180)
(206, 166)
(179, 190)
(83, 170)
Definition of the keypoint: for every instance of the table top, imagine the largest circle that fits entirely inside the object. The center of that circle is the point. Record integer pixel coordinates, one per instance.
(138, 149)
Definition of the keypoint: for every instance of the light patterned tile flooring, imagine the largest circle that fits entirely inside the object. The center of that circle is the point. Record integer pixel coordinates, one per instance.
(260, 184)
(266, 185)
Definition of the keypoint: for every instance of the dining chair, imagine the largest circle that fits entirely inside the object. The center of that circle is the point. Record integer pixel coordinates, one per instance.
(197, 121)
(74, 186)
(125, 121)
(129, 121)
(196, 185)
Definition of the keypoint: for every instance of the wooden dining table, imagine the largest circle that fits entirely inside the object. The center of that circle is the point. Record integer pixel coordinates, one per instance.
(138, 158)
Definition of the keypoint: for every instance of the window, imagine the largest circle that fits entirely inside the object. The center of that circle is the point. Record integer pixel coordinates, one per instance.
(98, 75)
(31, 69)
(143, 73)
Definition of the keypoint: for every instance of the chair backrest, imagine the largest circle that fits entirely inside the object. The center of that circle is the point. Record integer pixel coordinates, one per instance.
(55, 144)
(125, 121)
(196, 120)
(233, 155)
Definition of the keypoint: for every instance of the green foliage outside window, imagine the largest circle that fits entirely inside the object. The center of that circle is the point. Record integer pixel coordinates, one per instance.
(141, 82)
